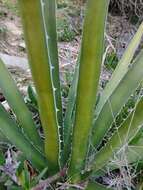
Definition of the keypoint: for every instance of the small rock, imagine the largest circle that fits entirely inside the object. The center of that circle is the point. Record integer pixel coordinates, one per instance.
(14, 62)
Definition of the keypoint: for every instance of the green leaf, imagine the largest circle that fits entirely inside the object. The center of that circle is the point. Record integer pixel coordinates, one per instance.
(89, 73)
(93, 186)
(140, 186)
(25, 178)
(3, 139)
(49, 14)
(13, 187)
(2, 158)
(44, 65)
(135, 150)
(70, 116)
(96, 186)
(121, 69)
(32, 96)
(120, 138)
(133, 154)
(18, 106)
(39, 177)
(118, 98)
(15, 135)
(118, 75)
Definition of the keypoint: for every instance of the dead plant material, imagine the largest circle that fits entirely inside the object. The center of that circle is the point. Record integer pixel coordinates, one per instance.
(127, 7)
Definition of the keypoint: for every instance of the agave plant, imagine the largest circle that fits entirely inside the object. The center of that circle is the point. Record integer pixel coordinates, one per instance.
(72, 146)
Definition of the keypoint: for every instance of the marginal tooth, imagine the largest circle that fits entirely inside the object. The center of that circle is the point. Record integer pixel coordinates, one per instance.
(53, 85)
(54, 89)
(59, 126)
(57, 110)
(43, 3)
(47, 37)
(52, 67)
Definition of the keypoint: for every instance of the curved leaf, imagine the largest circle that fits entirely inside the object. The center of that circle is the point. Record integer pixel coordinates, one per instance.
(3, 139)
(18, 138)
(89, 73)
(121, 69)
(121, 138)
(118, 98)
(18, 106)
(96, 186)
(42, 63)
(49, 16)
(70, 117)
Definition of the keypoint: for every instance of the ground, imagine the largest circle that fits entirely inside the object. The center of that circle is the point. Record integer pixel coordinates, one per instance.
(119, 32)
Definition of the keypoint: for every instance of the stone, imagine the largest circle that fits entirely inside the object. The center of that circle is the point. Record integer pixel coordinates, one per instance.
(13, 61)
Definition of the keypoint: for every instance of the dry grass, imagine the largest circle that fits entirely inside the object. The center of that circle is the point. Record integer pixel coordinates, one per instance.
(128, 7)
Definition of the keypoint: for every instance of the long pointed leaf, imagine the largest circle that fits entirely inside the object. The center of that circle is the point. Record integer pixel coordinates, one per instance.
(122, 137)
(96, 186)
(121, 69)
(93, 186)
(118, 98)
(3, 139)
(15, 135)
(133, 154)
(17, 104)
(40, 62)
(135, 150)
(90, 65)
(140, 186)
(70, 116)
(49, 15)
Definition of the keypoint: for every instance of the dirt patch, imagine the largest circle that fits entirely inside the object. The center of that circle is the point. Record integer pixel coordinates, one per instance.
(132, 9)
(11, 36)
(12, 41)
(119, 33)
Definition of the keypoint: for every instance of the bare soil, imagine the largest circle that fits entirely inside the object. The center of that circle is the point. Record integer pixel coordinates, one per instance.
(11, 36)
